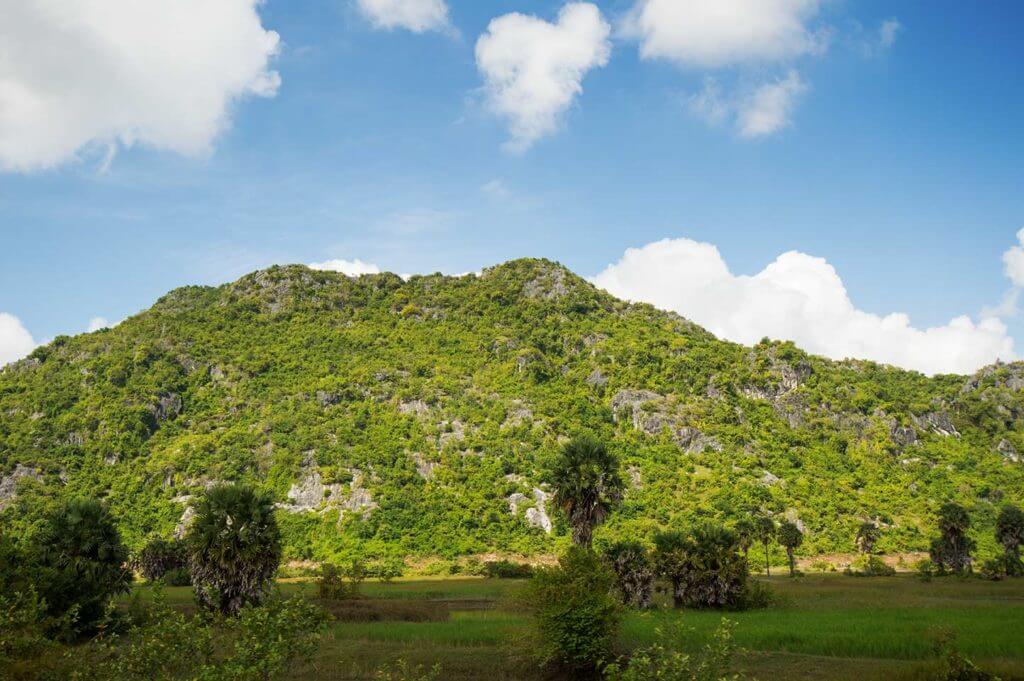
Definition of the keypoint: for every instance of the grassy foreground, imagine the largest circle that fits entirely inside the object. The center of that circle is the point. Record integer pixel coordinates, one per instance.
(825, 627)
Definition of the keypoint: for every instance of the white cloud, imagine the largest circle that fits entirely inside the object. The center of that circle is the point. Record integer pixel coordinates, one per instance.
(887, 33)
(710, 104)
(768, 109)
(417, 16)
(698, 33)
(1013, 261)
(534, 69)
(800, 298)
(496, 189)
(15, 340)
(351, 268)
(99, 74)
(99, 323)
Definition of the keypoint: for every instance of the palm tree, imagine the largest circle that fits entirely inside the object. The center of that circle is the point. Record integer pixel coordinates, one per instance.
(1010, 533)
(745, 531)
(587, 485)
(633, 571)
(952, 549)
(867, 536)
(234, 548)
(791, 537)
(765, 531)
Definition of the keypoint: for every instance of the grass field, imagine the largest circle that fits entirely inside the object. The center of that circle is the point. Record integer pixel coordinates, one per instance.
(824, 627)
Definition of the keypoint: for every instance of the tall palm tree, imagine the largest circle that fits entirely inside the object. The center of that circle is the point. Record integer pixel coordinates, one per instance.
(790, 537)
(765, 529)
(234, 548)
(587, 485)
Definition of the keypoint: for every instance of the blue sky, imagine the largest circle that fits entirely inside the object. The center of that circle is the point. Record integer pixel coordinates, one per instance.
(898, 164)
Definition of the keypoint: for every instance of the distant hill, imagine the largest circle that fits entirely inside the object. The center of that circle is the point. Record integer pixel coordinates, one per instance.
(414, 417)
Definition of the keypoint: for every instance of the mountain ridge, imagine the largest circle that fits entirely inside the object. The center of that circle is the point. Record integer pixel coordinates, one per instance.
(415, 416)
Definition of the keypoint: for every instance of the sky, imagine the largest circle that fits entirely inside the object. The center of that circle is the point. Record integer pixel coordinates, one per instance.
(843, 174)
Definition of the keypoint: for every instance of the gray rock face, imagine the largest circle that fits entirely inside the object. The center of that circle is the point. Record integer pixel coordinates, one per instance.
(903, 437)
(597, 379)
(793, 516)
(632, 400)
(310, 494)
(548, 286)
(423, 467)
(455, 432)
(769, 479)
(413, 408)
(636, 481)
(187, 515)
(655, 422)
(9, 483)
(326, 399)
(517, 415)
(937, 422)
(166, 407)
(536, 514)
(1009, 452)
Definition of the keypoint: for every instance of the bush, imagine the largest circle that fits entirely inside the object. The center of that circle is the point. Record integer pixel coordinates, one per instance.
(178, 577)
(999, 568)
(79, 566)
(160, 557)
(755, 596)
(869, 566)
(823, 566)
(705, 567)
(956, 667)
(925, 569)
(337, 584)
(403, 671)
(664, 660)
(506, 569)
(234, 548)
(633, 572)
(576, 618)
(386, 569)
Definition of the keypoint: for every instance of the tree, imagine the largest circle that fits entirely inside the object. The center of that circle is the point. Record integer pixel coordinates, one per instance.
(633, 571)
(765, 532)
(160, 557)
(867, 536)
(80, 564)
(587, 485)
(790, 537)
(745, 531)
(951, 551)
(703, 565)
(1010, 533)
(233, 548)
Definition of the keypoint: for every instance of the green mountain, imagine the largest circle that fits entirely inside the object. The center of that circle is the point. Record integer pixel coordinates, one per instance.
(414, 417)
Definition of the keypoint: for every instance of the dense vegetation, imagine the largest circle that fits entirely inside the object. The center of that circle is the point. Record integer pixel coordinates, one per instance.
(391, 418)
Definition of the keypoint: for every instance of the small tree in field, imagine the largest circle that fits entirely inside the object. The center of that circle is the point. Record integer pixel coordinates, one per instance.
(587, 485)
(234, 548)
(790, 537)
(951, 551)
(1010, 533)
(670, 560)
(159, 557)
(745, 533)
(633, 571)
(765, 531)
(867, 537)
(80, 563)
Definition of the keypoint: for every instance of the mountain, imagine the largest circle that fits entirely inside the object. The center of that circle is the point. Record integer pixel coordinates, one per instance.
(414, 417)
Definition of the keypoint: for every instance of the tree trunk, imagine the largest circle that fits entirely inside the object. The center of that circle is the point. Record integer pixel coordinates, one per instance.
(677, 593)
(767, 565)
(792, 561)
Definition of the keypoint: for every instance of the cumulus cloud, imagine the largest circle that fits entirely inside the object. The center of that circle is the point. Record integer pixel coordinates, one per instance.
(15, 340)
(1013, 261)
(797, 297)
(417, 16)
(769, 108)
(698, 33)
(103, 74)
(757, 112)
(351, 268)
(534, 69)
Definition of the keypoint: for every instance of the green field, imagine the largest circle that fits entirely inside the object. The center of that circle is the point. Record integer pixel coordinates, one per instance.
(824, 627)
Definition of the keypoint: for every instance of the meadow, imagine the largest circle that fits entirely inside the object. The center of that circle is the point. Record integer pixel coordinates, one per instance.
(828, 626)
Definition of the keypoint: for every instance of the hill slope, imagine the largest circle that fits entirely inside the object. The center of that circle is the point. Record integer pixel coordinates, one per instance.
(413, 417)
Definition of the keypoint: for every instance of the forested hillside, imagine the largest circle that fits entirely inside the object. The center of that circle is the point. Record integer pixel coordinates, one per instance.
(395, 417)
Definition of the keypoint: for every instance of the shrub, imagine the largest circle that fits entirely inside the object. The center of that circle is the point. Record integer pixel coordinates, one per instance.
(705, 566)
(506, 569)
(956, 667)
(233, 548)
(823, 566)
(178, 577)
(160, 557)
(403, 671)
(633, 572)
(386, 569)
(870, 566)
(337, 584)
(755, 596)
(1010, 534)
(79, 565)
(576, 618)
(664, 659)
(925, 569)
(867, 536)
